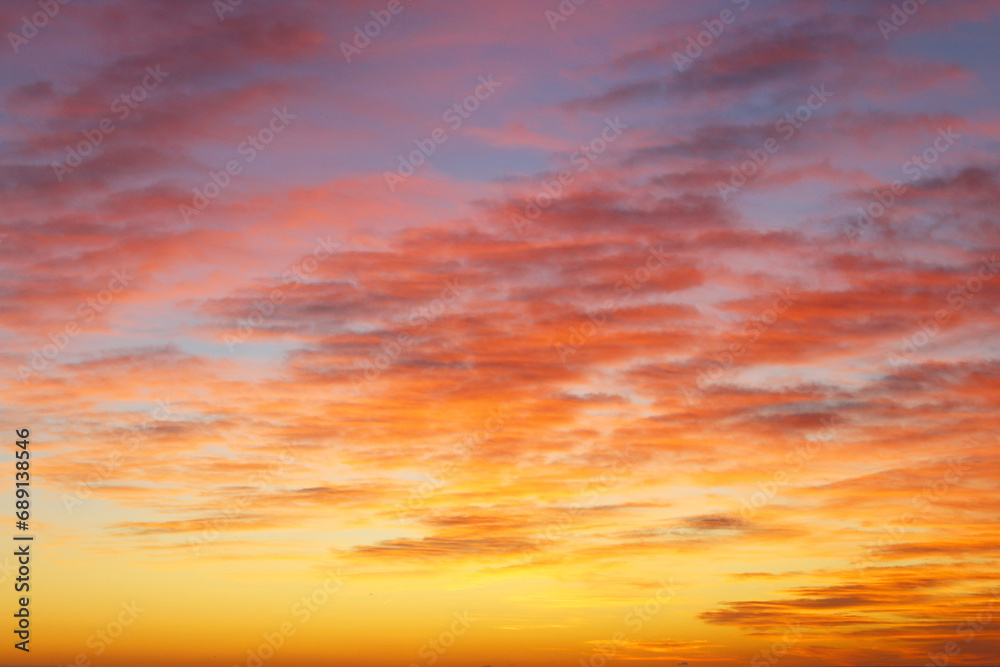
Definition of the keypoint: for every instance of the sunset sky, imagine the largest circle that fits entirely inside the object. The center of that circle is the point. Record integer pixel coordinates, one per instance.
(520, 334)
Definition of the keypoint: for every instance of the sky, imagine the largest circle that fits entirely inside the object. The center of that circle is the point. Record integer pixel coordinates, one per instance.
(514, 334)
